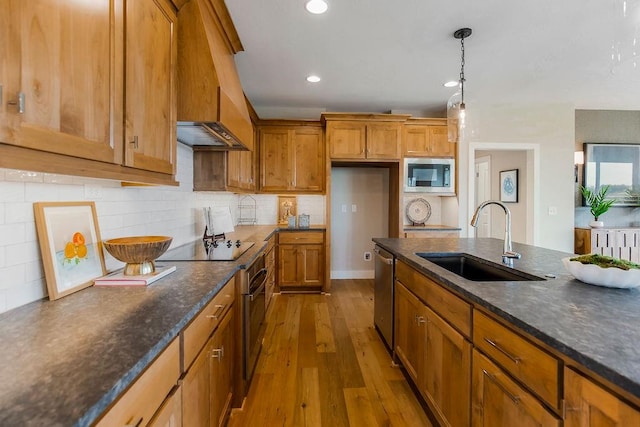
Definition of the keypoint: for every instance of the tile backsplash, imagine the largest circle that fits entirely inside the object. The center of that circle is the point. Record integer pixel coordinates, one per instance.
(122, 211)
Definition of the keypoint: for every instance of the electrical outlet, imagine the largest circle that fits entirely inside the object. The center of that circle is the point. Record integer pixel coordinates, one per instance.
(367, 256)
(344, 208)
(354, 208)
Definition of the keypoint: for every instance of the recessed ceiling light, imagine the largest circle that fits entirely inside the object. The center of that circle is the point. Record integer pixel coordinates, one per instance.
(452, 83)
(317, 6)
(313, 79)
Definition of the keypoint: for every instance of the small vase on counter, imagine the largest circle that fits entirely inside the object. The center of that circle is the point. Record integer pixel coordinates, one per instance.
(596, 224)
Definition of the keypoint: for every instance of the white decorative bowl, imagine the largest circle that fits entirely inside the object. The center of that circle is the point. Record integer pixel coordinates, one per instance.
(611, 277)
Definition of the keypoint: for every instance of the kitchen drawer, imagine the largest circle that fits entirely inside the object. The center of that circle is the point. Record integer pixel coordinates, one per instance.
(497, 400)
(138, 404)
(300, 237)
(534, 367)
(198, 331)
(450, 307)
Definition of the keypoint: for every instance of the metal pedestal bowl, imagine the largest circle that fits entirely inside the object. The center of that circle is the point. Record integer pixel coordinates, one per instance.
(138, 252)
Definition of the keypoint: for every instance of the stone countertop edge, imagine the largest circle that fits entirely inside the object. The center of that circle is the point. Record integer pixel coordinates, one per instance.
(71, 375)
(601, 352)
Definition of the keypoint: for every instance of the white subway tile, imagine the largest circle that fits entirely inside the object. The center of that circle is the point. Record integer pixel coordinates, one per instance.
(11, 234)
(38, 192)
(52, 178)
(18, 212)
(26, 293)
(21, 253)
(23, 176)
(2, 256)
(12, 276)
(3, 301)
(11, 191)
(34, 271)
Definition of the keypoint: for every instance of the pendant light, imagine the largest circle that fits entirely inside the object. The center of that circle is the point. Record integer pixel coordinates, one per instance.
(456, 108)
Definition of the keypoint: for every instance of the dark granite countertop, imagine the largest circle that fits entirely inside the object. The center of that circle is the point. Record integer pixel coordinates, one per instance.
(595, 326)
(431, 227)
(63, 362)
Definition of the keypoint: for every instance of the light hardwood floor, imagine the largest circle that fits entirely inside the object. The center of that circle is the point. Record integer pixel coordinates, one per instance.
(323, 364)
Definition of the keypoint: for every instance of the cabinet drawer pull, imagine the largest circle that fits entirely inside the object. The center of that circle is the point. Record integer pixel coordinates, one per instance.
(514, 359)
(420, 319)
(493, 379)
(138, 424)
(218, 312)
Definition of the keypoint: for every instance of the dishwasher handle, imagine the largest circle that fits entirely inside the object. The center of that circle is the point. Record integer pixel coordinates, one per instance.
(384, 260)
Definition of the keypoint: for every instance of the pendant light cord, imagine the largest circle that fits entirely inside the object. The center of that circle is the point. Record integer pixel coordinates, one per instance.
(462, 73)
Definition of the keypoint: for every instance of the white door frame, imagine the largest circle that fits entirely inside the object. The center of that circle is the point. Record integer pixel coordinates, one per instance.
(532, 194)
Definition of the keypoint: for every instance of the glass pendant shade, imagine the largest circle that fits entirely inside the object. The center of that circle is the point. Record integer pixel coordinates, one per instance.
(456, 117)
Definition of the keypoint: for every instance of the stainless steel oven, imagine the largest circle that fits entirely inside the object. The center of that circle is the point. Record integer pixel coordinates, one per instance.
(253, 289)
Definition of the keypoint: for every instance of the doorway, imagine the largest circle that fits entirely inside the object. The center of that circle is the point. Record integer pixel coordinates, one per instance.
(528, 192)
(360, 211)
(483, 193)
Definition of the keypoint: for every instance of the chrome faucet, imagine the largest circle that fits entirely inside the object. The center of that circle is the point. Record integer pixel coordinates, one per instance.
(508, 254)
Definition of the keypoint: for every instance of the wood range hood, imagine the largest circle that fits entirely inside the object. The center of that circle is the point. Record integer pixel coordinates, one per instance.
(212, 109)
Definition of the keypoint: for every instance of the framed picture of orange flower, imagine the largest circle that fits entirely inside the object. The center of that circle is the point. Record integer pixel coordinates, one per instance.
(70, 245)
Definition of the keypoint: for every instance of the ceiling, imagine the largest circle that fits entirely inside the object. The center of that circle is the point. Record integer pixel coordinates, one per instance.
(394, 56)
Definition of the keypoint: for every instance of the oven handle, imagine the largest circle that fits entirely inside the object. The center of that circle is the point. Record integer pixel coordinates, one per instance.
(257, 292)
(262, 272)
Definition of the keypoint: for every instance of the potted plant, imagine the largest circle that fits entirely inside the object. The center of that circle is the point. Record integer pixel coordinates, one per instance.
(598, 203)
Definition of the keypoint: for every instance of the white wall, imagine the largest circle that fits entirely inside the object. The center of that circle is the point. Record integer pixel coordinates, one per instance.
(351, 232)
(500, 161)
(122, 211)
(552, 128)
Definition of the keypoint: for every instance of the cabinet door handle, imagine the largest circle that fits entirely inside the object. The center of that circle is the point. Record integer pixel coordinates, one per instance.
(134, 142)
(19, 102)
(493, 344)
(218, 353)
(493, 379)
(218, 312)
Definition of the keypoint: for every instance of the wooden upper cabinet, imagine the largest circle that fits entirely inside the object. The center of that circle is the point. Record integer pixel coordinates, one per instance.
(240, 170)
(347, 140)
(383, 140)
(291, 159)
(88, 88)
(364, 136)
(275, 160)
(427, 138)
(150, 110)
(61, 88)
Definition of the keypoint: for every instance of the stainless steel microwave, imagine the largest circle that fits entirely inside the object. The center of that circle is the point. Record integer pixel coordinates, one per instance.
(429, 175)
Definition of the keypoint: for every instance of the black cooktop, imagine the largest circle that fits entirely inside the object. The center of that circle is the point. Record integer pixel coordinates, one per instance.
(206, 250)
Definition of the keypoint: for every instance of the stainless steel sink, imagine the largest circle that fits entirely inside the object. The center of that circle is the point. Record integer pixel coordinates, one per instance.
(476, 270)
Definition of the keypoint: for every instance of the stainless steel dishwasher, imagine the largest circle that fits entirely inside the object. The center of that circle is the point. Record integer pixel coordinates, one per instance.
(383, 295)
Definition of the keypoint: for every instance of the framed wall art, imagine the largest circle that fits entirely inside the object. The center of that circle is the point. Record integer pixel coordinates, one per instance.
(509, 186)
(287, 206)
(70, 245)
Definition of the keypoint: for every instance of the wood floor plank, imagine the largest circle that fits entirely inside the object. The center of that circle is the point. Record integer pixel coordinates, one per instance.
(359, 407)
(308, 405)
(323, 364)
(325, 342)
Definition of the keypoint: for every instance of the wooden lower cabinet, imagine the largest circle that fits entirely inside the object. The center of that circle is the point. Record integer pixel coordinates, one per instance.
(270, 265)
(410, 331)
(499, 401)
(146, 395)
(436, 357)
(301, 260)
(207, 387)
(589, 405)
(170, 413)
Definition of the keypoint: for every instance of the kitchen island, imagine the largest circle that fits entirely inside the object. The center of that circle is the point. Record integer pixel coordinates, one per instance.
(590, 328)
(65, 362)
